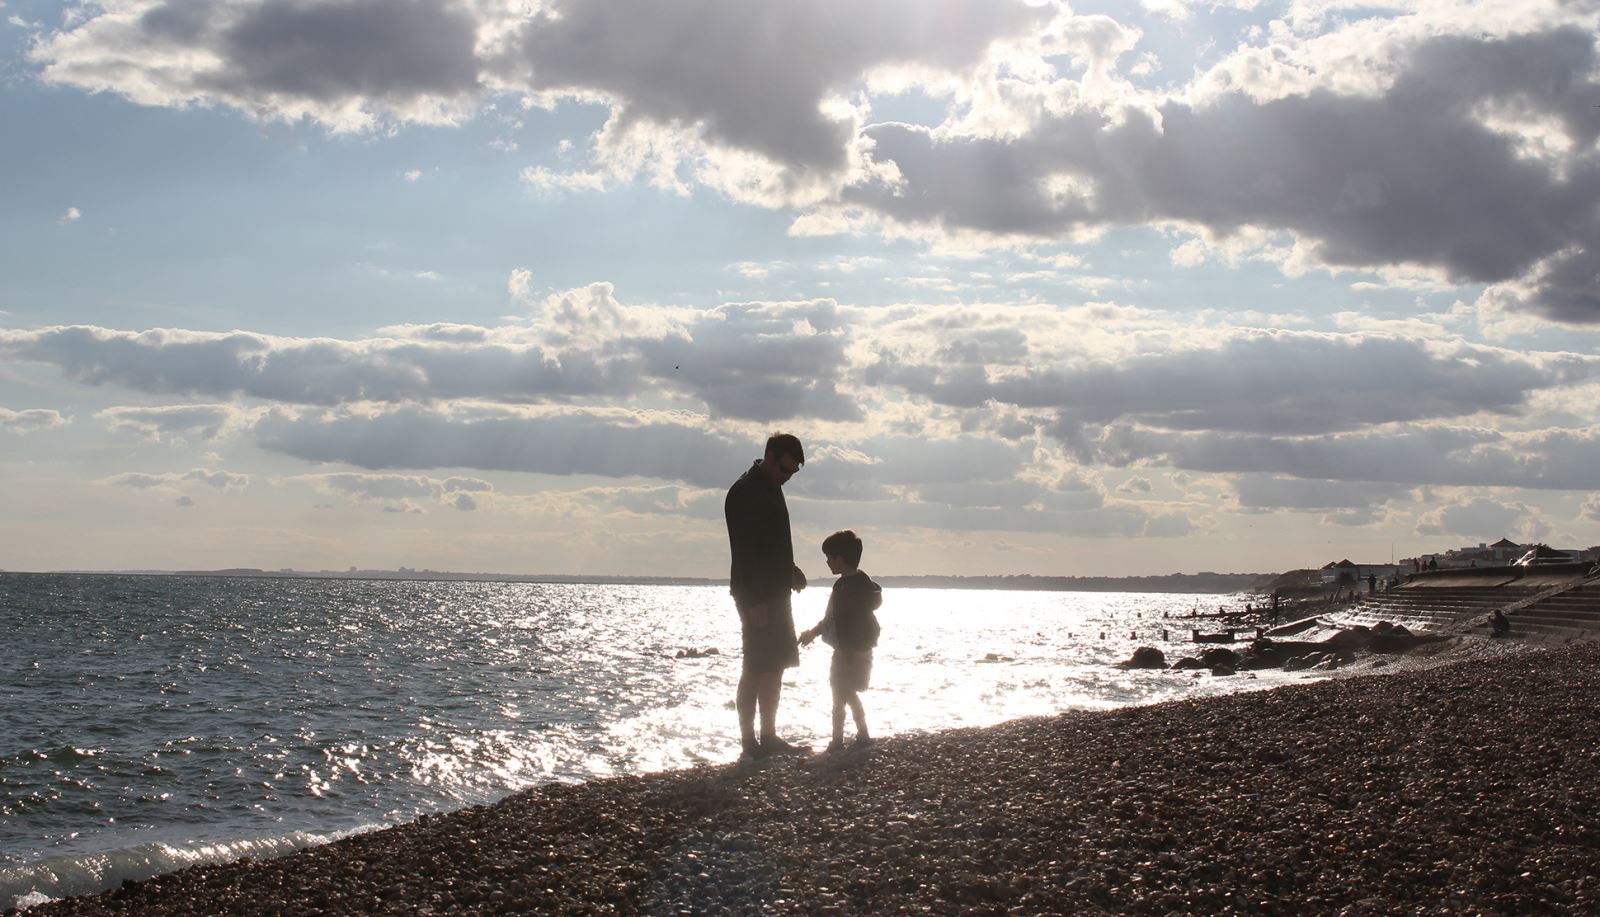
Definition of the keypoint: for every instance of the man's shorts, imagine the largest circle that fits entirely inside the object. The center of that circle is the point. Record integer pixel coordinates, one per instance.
(773, 647)
(850, 671)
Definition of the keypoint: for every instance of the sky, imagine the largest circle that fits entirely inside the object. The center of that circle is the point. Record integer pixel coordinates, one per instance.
(522, 286)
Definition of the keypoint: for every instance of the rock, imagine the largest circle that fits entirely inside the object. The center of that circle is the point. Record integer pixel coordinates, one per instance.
(1145, 657)
(1219, 655)
(1222, 670)
(1187, 663)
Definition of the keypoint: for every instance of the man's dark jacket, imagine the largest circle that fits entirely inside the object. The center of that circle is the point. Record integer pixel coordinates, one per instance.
(758, 534)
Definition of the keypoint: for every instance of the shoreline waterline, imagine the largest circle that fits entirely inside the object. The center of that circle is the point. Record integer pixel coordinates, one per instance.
(175, 720)
(1432, 769)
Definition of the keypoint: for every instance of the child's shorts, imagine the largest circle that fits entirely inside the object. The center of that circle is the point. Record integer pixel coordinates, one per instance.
(850, 671)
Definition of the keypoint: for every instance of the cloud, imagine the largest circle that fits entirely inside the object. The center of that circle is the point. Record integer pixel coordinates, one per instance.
(184, 500)
(1480, 211)
(31, 421)
(749, 77)
(398, 489)
(204, 420)
(1268, 492)
(1479, 518)
(351, 64)
(608, 444)
(173, 480)
(1591, 508)
(72, 215)
(1550, 459)
(1453, 139)
(755, 361)
(1281, 382)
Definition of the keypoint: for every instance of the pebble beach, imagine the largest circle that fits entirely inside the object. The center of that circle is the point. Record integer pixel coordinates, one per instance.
(1460, 781)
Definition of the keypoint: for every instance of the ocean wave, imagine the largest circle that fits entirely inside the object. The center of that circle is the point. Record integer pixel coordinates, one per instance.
(59, 877)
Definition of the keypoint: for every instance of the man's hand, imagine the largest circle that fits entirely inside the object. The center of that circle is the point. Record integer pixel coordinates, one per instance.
(756, 615)
(797, 580)
(806, 636)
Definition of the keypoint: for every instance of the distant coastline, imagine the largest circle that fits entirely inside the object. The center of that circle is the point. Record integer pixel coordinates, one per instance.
(1206, 582)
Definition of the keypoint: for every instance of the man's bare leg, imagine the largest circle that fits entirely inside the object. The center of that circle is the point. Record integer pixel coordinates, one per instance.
(769, 686)
(745, 701)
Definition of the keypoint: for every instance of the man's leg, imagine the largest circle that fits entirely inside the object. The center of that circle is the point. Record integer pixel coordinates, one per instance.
(745, 701)
(768, 688)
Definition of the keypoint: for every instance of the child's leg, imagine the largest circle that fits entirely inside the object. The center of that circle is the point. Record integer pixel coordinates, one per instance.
(857, 711)
(838, 718)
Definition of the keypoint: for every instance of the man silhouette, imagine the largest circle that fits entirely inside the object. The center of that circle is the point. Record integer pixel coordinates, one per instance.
(762, 575)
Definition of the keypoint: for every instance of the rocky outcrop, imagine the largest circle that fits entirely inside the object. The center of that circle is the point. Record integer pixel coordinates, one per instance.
(1145, 657)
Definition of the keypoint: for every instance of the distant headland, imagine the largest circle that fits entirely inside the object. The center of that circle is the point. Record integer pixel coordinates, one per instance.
(1205, 582)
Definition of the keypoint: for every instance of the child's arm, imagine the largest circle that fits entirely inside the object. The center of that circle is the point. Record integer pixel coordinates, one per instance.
(810, 634)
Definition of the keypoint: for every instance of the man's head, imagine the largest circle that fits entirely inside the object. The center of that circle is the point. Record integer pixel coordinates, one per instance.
(783, 457)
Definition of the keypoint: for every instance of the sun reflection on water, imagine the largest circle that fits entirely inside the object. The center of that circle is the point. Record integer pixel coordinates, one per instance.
(249, 709)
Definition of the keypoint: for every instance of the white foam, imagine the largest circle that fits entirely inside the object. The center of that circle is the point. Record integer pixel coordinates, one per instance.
(67, 876)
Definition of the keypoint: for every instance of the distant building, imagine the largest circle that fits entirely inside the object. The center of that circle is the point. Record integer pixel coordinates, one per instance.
(1502, 553)
(1347, 573)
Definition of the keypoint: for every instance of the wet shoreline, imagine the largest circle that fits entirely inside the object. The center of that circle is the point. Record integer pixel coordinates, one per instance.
(1460, 782)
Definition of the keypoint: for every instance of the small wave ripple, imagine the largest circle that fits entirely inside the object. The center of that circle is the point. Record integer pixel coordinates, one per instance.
(152, 722)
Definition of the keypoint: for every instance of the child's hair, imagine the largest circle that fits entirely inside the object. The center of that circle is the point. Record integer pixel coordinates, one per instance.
(844, 544)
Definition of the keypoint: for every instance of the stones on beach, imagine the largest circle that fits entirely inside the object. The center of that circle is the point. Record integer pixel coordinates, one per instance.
(1418, 792)
(1145, 657)
(1219, 656)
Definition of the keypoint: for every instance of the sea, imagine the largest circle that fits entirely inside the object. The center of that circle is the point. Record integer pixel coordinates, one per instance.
(150, 723)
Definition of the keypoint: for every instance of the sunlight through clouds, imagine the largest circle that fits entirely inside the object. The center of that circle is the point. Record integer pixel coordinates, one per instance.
(1207, 280)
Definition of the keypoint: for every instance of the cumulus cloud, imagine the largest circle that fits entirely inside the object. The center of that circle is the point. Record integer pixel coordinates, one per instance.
(1280, 382)
(204, 420)
(1482, 210)
(173, 480)
(1269, 492)
(752, 78)
(1551, 459)
(350, 64)
(1590, 508)
(1451, 138)
(398, 489)
(755, 361)
(32, 420)
(608, 444)
(1480, 518)
(72, 215)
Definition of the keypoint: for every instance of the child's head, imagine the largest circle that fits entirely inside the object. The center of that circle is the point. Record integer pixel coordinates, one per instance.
(843, 551)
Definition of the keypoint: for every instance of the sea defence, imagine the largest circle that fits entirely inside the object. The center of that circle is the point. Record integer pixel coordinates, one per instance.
(1546, 603)
(1442, 786)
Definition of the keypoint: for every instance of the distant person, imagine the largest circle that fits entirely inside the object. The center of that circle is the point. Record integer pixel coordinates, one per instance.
(1499, 625)
(1372, 583)
(762, 574)
(851, 628)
